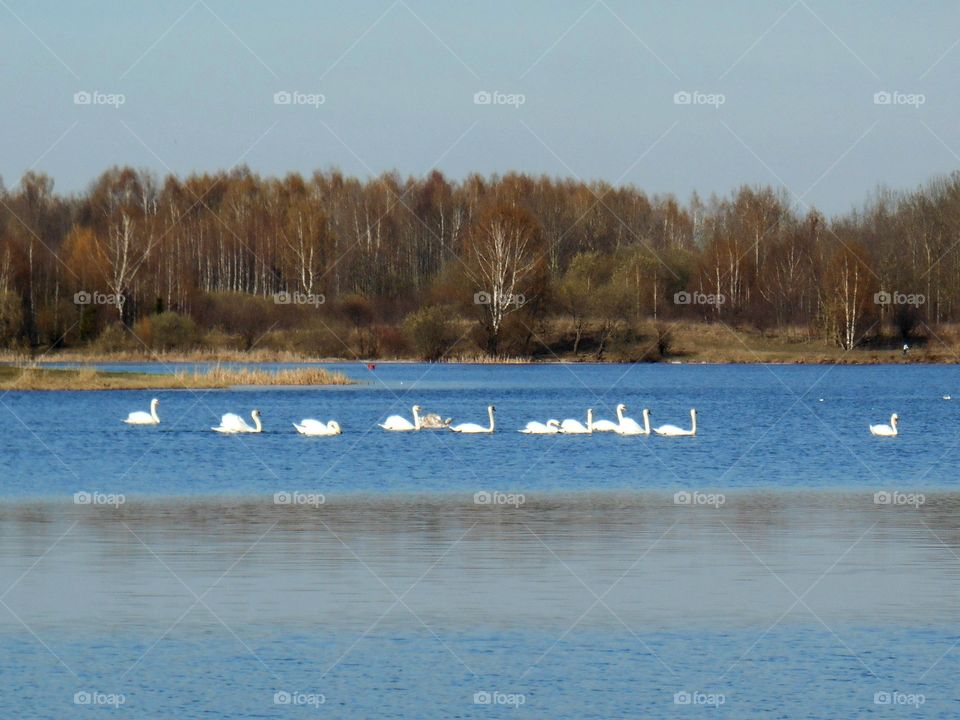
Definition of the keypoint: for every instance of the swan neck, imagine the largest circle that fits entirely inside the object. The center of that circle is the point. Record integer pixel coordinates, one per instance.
(490, 415)
(416, 418)
(590, 419)
(256, 422)
(693, 422)
(153, 411)
(646, 421)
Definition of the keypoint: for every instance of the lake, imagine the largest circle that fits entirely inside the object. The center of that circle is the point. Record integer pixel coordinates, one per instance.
(782, 563)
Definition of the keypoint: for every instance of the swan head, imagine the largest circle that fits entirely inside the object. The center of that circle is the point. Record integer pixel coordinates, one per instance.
(256, 414)
(894, 419)
(621, 407)
(334, 425)
(154, 402)
(491, 408)
(416, 408)
(553, 423)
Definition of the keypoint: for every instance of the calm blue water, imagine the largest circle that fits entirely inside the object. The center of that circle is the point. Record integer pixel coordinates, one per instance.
(759, 426)
(792, 592)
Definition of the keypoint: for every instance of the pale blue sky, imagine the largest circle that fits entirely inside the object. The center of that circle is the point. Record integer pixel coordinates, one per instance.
(399, 78)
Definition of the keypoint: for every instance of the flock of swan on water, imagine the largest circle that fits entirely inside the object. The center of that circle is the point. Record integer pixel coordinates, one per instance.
(232, 424)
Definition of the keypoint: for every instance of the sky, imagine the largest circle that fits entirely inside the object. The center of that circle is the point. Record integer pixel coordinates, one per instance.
(672, 97)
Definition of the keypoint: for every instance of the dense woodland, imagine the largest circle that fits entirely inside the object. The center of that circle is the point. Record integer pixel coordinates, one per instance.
(334, 266)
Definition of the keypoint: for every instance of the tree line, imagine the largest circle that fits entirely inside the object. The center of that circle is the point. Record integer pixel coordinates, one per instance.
(515, 264)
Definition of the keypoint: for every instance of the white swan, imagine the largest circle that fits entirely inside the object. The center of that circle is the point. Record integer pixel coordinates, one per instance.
(575, 427)
(551, 427)
(231, 424)
(145, 418)
(674, 431)
(605, 426)
(886, 430)
(398, 423)
(629, 426)
(316, 428)
(473, 428)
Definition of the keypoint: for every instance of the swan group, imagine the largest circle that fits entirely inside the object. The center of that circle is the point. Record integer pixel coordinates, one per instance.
(624, 426)
(430, 421)
(232, 424)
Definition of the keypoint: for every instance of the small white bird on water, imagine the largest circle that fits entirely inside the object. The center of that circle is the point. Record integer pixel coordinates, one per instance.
(886, 430)
(398, 423)
(231, 424)
(551, 427)
(575, 427)
(317, 428)
(145, 418)
(629, 426)
(674, 431)
(473, 428)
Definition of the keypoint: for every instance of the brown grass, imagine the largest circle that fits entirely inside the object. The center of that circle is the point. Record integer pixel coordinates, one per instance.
(219, 376)
(691, 342)
(34, 378)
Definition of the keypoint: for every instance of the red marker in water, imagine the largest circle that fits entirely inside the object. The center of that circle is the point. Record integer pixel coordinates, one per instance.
(371, 366)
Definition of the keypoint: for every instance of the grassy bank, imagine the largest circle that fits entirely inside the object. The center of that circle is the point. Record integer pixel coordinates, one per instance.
(685, 342)
(36, 378)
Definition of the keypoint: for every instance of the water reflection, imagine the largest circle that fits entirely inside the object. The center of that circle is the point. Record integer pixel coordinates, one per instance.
(602, 560)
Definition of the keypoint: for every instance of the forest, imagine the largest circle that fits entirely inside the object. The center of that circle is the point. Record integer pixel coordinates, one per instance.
(513, 266)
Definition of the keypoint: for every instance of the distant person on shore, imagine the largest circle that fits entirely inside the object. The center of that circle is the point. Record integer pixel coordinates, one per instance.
(906, 349)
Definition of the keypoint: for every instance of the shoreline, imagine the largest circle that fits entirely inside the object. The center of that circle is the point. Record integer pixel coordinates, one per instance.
(33, 378)
(685, 343)
(201, 359)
